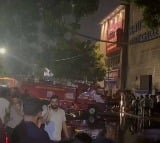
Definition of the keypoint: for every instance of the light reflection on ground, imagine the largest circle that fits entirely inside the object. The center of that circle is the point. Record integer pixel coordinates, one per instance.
(135, 128)
(122, 127)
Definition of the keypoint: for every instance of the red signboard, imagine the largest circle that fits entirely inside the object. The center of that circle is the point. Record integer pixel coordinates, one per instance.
(113, 26)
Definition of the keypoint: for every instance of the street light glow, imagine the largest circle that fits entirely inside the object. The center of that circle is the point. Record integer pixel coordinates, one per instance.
(2, 50)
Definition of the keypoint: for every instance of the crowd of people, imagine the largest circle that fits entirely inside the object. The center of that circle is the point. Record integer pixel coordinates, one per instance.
(25, 119)
(145, 105)
(141, 104)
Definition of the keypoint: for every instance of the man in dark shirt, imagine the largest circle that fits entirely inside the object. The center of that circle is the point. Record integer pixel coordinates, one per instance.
(28, 131)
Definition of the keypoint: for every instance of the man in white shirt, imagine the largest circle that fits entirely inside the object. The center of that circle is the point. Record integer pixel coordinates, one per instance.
(55, 120)
(16, 113)
(4, 109)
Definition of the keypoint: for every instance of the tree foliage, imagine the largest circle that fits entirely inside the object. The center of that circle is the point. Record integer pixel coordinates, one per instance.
(34, 33)
(75, 60)
(151, 11)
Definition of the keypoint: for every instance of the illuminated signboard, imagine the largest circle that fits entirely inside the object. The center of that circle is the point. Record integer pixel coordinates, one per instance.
(114, 23)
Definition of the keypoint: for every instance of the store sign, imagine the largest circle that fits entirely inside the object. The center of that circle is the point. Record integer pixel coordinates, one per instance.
(146, 36)
(143, 36)
(136, 27)
(112, 35)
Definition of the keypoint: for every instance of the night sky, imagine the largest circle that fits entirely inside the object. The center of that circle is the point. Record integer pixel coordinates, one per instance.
(91, 25)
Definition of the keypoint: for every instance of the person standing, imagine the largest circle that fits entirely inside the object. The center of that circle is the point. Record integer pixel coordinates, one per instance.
(16, 113)
(4, 112)
(146, 105)
(28, 131)
(4, 106)
(55, 120)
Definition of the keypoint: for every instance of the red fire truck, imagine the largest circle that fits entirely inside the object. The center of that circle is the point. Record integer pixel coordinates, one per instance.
(83, 96)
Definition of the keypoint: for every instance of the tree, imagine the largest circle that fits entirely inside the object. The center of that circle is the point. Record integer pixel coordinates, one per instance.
(18, 33)
(75, 60)
(151, 11)
(27, 27)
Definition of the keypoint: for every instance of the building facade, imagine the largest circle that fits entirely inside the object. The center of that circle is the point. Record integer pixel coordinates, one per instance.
(143, 52)
(111, 31)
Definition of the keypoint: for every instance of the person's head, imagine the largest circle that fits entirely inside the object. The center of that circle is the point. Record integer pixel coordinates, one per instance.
(4, 92)
(15, 99)
(32, 109)
(54, 102)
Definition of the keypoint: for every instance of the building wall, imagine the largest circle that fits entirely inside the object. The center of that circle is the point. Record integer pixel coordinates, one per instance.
(143, 51)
